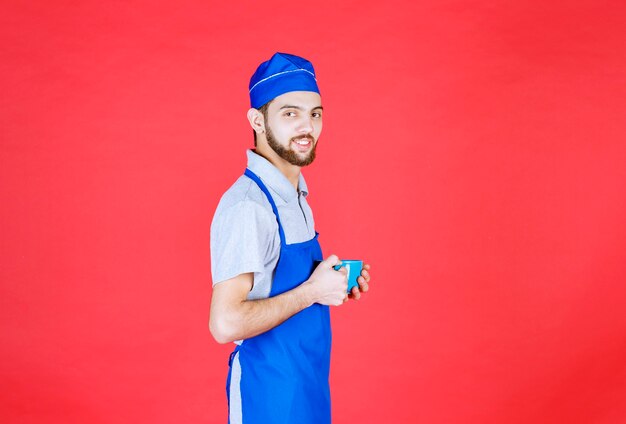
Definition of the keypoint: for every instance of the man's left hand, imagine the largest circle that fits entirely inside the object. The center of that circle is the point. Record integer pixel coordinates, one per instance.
(363, 280)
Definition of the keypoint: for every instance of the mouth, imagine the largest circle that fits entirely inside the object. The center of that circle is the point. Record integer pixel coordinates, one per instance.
(302, 144)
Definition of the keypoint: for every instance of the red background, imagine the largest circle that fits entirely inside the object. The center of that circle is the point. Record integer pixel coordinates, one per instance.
(473, 152)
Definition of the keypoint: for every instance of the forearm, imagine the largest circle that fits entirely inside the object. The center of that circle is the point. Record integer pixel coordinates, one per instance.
(249, 318)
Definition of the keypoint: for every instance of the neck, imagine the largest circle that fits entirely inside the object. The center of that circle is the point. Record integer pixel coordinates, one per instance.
(291, 172)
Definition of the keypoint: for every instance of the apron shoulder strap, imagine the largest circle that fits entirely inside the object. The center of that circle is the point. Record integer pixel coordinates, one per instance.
(264, 189)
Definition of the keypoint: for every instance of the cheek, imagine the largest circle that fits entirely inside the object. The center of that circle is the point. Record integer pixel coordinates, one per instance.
(285, 133)
(281, 131)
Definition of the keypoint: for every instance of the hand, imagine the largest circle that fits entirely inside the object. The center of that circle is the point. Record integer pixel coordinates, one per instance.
(363, 281)
(329, 287)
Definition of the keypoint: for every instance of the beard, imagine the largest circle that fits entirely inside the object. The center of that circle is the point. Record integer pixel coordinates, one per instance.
(286, 153)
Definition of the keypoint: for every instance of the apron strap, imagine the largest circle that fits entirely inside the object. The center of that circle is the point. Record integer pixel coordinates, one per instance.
(263, 188)
(232, 355)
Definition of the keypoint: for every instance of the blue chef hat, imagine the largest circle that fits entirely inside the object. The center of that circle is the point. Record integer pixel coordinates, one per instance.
(279, 75)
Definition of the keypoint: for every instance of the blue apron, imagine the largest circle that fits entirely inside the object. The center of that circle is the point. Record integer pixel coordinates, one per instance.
(284, 371)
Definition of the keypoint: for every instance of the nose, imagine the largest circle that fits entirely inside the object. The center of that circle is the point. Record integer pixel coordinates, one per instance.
(306, 125)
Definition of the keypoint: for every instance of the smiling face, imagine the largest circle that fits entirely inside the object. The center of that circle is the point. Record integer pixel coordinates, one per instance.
(293, 126)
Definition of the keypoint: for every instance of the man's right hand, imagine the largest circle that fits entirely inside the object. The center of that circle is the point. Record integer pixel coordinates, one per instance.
(328, 286)
(234, 317)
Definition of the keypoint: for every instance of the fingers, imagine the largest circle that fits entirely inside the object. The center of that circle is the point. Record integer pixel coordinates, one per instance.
(363, 284)
(364, 279)
(355, 293)
(365, 272)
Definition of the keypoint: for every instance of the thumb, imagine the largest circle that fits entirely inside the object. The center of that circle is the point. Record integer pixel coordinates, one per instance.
(332, 261)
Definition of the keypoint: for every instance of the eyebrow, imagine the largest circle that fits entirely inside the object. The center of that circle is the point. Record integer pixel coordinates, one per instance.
(299, 107)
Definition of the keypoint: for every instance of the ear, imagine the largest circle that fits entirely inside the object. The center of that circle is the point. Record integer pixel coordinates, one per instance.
(256, 120)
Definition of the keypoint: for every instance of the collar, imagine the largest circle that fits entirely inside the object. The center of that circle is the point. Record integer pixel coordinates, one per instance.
(274, 179)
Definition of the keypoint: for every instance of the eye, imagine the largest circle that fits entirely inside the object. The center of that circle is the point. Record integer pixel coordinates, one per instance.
(316, 114)
(290, 114)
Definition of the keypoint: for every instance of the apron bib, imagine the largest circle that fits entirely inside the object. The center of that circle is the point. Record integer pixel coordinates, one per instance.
(283, 373)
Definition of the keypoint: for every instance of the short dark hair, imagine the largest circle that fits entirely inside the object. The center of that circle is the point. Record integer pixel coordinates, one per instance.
(263, 109)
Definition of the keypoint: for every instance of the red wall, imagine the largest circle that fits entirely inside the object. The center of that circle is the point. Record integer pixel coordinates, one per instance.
(473, 153)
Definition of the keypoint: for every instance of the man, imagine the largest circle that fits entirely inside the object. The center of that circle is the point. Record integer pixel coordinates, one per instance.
(271, 288)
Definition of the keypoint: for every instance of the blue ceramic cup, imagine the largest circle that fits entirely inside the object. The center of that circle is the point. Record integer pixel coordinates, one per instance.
(354, 267)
